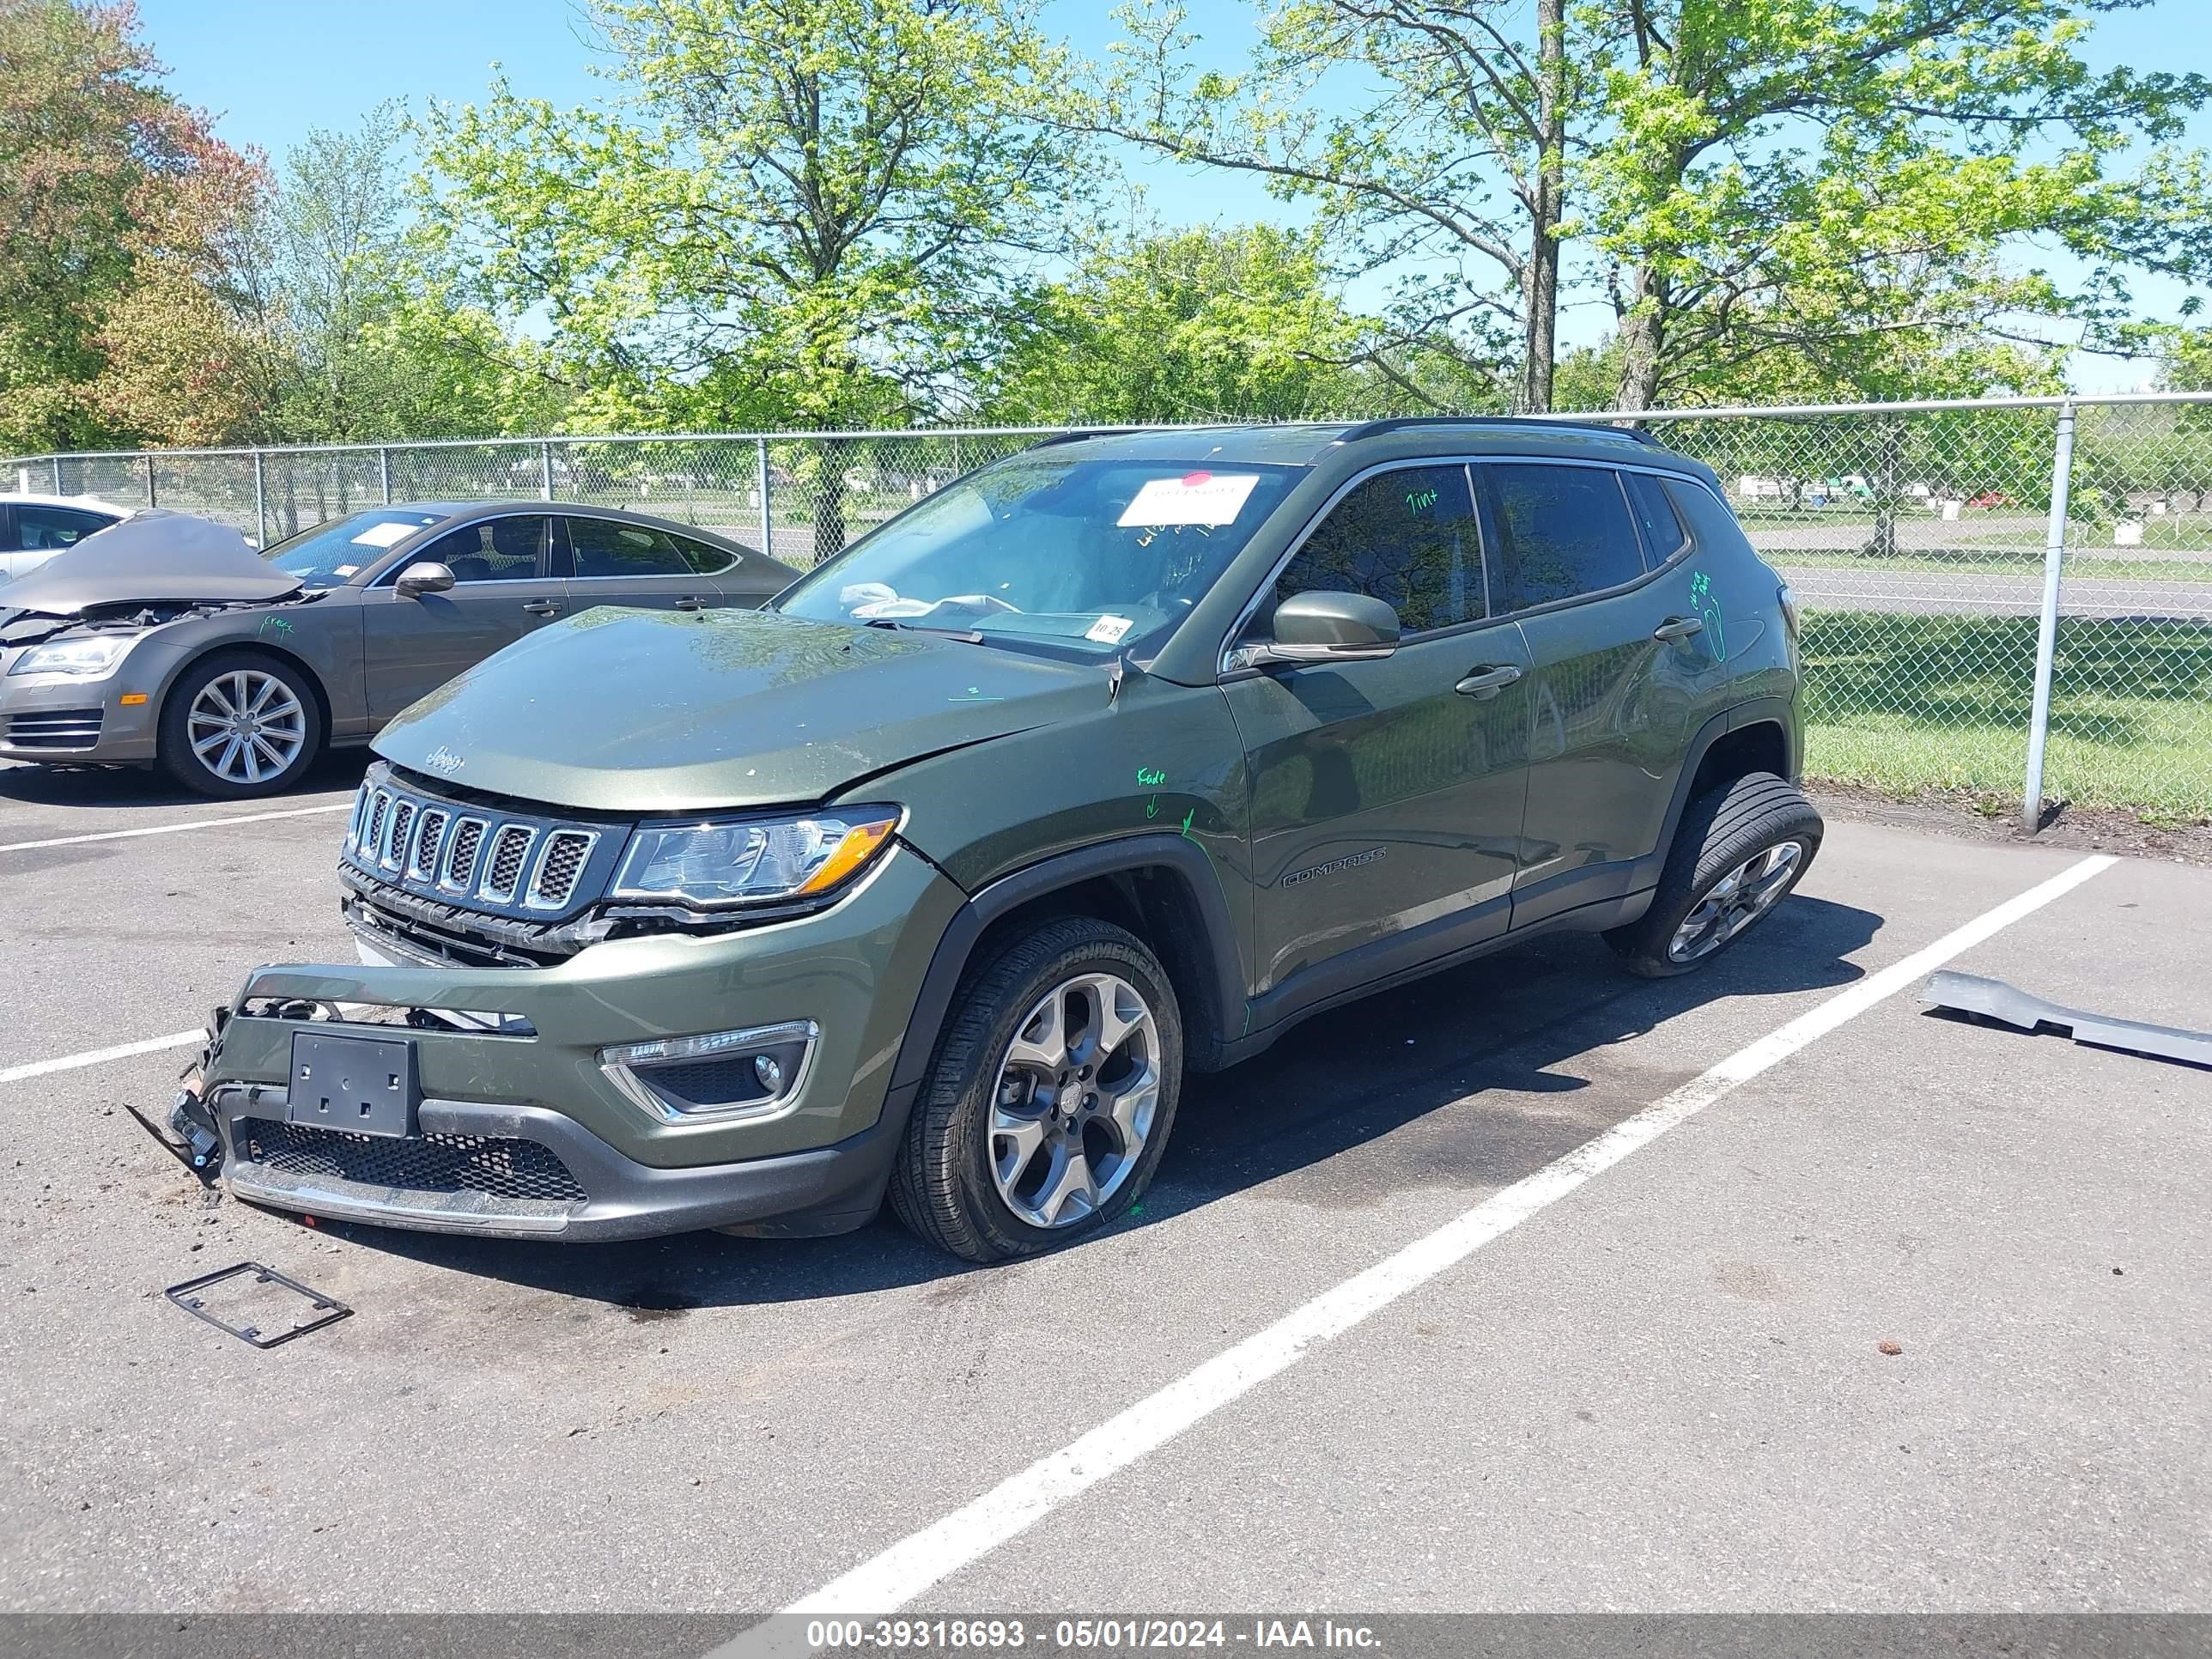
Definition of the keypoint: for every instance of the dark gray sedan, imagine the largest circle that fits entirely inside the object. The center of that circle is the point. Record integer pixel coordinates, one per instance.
(168, 641)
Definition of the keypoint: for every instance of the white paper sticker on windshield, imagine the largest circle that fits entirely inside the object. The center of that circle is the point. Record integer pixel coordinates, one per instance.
(345, 570)
(1194, 498)
(1107, 631)
(383, 535)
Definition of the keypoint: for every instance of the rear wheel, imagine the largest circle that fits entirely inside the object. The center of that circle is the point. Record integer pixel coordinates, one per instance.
(1050, 1101)
(1740, 850)
(238, 725)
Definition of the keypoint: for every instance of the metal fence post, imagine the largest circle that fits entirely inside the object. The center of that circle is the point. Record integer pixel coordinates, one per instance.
(57, 476)
(384, 473)
(545, 471)
(2046, 635)
(767, 522)
(260, 500)
(150, 502)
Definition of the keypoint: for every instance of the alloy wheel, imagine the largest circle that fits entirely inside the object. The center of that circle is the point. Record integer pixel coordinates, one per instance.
(246, 726)
(1735, 901)
(1073, 1104)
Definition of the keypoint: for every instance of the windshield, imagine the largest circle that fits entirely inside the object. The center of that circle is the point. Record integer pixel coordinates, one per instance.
(332, 553)
(1094, 555)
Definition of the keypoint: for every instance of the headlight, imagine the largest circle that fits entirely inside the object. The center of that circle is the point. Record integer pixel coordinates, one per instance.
(94, 654)
(753, 861)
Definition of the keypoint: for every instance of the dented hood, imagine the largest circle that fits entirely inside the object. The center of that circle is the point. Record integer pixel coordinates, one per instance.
(647, 712)
(153, 557)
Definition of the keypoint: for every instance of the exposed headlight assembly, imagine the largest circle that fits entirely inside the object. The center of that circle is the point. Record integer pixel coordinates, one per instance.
(93, 655)
(718, 864)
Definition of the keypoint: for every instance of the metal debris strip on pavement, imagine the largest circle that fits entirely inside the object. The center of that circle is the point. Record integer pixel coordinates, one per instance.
(2007, 1004)
(256, 1310)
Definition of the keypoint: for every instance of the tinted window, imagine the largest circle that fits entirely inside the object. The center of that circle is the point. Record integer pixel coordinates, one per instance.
(1662, 531)
(604, 548)
(704, 559)
(332, 553)
(49, 529)
(1712, 526)
(492, 550)
(1561, 530)
(1408, 538)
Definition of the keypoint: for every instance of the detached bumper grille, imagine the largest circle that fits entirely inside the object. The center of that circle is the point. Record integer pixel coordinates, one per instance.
(497, 1166)
(55, 728)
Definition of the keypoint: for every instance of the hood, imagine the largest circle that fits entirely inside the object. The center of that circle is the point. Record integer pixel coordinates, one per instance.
(645, 712)
(152, 557)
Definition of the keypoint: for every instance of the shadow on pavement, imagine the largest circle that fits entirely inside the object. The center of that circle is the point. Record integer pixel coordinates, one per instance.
(133, 785)
(1509, 1041)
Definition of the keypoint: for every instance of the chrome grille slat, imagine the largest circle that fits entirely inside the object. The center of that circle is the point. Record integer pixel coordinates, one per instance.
(430, 826)
(460, 868)
(371, 838)
(393, 853)
(510, 847)
(558, 866)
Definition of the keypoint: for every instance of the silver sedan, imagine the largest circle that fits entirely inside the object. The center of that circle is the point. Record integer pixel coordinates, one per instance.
(168, 640)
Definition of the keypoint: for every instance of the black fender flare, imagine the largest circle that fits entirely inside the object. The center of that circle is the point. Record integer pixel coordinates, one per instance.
(1219, 978)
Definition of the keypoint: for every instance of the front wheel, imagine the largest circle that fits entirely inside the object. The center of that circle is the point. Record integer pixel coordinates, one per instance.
(238, 725)
(1050, 1101)
(1740, 850)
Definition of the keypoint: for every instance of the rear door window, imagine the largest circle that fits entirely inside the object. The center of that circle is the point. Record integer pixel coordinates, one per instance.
(605, 548)
(1408, 538)
(1663, 535)
(1560, 532)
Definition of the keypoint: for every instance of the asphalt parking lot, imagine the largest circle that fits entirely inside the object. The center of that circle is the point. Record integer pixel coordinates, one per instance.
(1663, 1390)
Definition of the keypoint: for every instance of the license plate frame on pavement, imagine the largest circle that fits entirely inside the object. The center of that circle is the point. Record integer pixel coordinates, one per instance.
(360, 1085)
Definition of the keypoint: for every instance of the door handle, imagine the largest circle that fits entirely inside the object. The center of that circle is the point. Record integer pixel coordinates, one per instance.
(1487, 682)
(542, 607)
(690, 602)
(1679, 627)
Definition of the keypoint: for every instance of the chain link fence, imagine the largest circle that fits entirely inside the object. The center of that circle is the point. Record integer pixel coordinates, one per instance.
(1915, 535)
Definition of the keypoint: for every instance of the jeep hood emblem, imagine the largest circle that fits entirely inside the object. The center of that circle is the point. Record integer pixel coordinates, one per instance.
(444, 761)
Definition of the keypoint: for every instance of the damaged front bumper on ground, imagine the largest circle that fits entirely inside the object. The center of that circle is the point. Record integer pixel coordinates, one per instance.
(619, 1093)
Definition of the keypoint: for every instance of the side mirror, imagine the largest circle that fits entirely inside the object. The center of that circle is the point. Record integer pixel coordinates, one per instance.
(1321, 627)
(428, 577)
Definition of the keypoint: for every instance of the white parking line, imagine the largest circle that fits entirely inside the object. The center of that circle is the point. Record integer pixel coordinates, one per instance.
(888, 1581)
(98, 1056)
(175, 829)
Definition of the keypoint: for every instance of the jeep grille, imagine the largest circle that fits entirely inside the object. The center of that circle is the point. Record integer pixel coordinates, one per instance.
(511, 863)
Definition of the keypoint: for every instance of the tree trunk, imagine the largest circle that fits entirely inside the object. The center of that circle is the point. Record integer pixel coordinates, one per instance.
(1540, 289)
(1643, 335)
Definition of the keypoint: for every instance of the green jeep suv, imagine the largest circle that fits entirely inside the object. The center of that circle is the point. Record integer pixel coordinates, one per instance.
(936, 877)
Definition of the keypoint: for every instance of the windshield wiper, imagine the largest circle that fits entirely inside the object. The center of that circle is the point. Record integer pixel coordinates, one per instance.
(965, 635)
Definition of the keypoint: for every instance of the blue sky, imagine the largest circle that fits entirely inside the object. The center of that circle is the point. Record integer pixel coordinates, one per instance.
(271, 70)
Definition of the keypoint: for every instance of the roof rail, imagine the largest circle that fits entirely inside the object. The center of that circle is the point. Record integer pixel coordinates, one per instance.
(1401, 422)
(1077, 437)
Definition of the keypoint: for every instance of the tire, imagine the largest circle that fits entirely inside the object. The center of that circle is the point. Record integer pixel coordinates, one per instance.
(973, 1119)
(1738, 831)
(280, 751)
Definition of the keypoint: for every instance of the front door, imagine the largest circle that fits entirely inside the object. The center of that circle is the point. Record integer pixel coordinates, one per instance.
(1387, 795)
(1619, 689)
(502, 589)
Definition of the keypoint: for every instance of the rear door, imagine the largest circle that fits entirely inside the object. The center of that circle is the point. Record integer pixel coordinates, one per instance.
(502, 589)
(1387, 795)
(610, 561)
(1625, 672)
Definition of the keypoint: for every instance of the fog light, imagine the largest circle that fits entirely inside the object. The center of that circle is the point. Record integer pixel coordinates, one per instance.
(755, 1072)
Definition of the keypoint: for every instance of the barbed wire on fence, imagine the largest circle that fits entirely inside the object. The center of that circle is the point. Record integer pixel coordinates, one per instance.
(1914, 534)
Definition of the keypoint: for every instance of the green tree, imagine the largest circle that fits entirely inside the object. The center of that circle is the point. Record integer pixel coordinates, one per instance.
(1430, 137)
(1189, 325)
(121, 211)
(1852, 184)
(816, 212)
